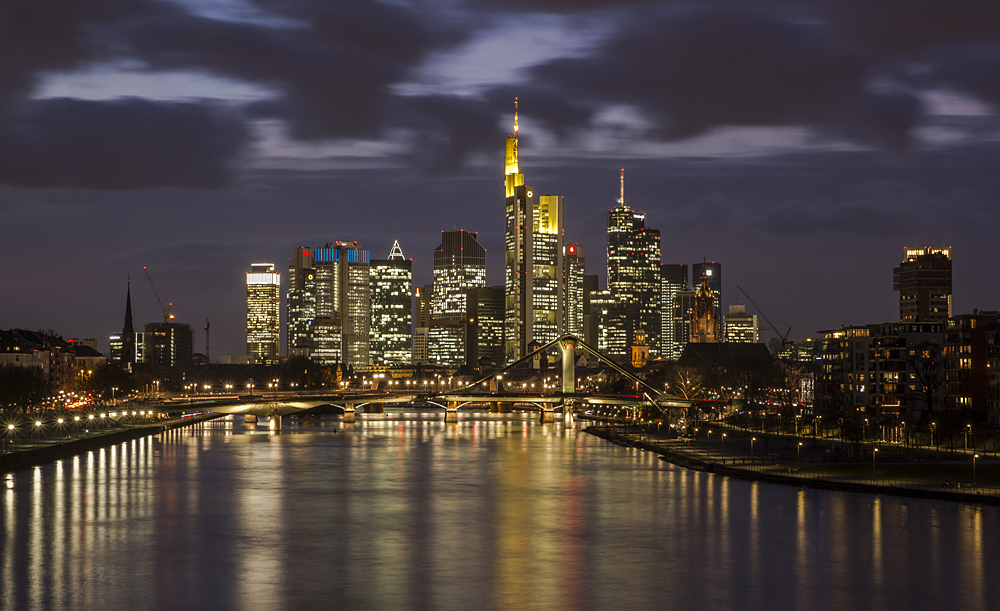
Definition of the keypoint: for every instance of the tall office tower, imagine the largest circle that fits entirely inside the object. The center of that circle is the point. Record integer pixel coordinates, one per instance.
(423, 323)
(610, 320)
(392, 309)
(634, 275)
(329, 304)
(534, 251)
(573, 295)
(485, 331)
(167, 343)
(301, 300)
(674, 279)
(923, 280)
(711, 273)
(682, 318)
(740, 326)
(590, 321)
(459, 265)
(263, 314)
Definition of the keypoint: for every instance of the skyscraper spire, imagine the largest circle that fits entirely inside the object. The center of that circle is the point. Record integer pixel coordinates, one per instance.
(515, 116)
(621, 197)
(396, 252)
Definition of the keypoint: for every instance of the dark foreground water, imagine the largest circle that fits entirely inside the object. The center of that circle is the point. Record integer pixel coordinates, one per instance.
(498, 512)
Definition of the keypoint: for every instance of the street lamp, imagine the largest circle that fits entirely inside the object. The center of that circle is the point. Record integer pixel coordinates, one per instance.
(974, 457)
(752, 439)
(723, 440)
(967, 432)
(874, 455)
(800, 452)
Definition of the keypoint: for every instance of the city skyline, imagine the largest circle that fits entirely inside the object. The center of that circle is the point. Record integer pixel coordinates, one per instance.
(806, 178)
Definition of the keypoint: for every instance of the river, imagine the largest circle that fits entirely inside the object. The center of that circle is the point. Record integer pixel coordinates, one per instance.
(401, 511)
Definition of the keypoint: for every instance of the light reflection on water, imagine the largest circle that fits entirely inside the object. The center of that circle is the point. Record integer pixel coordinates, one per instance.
(405, 512)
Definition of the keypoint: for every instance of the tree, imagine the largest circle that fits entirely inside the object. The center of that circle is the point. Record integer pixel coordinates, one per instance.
(22, 387)
(686, 381)
(926, 366)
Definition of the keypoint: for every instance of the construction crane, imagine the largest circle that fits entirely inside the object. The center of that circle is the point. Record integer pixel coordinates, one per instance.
(167, 316)
(784, 337)
(208, 354)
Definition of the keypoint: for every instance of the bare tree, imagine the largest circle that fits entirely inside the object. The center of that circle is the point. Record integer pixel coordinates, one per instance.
(926, 367)
(687, 382)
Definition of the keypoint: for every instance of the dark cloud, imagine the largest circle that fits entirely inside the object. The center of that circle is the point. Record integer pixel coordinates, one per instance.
(334, 68)
(125, 144)
(911, 26)
(697, 69)
(447, 129)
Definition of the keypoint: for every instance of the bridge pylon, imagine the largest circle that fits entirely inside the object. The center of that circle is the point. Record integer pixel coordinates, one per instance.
(568, 348)
(451, 415)
(348, 413)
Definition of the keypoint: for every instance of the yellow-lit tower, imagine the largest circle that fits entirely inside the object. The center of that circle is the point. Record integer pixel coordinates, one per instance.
(534, 253)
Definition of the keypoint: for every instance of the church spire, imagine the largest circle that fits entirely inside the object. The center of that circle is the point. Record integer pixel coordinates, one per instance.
(128, 332)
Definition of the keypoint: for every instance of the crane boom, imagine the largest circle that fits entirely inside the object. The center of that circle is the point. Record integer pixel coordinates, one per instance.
(784, 337)
(166, 310)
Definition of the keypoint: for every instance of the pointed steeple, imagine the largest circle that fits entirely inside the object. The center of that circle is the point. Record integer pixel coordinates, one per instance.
(129, 329)
(128, 332)
(396, 252)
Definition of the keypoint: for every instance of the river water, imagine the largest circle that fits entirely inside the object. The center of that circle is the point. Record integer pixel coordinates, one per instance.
(401, 511)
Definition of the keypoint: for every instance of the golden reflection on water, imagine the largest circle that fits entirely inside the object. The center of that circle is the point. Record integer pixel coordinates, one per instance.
(496, 511)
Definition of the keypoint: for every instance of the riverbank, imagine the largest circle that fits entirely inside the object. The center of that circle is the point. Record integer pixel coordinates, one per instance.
(24, 458)
(775, 473)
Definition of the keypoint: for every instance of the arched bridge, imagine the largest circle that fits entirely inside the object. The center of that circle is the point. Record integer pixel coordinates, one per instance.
(487, 390)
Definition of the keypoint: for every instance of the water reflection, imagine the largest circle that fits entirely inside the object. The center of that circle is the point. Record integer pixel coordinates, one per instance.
(401, 511)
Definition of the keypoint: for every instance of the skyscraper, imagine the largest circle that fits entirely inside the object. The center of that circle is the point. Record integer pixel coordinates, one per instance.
(634, 276)
(711, 274)
(674, 279)
(263, 314)
(167, 343)
(923, 280)
(739, 326)
(573, 296)
(485, 331)
(392, 309)
(534, 251)
(459, 265)
(329, 304)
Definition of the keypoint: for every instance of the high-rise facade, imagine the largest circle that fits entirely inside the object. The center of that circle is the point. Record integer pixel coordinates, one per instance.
(923, 280)
(263, 314)
(534, 249)
(610, 323)
(574, 269)
(391, 341)
(459, 265)
(167, 343)
(634, 275)
(711, 275)
(329, 307)
(674, 280)
(485, 331)
(739, 326)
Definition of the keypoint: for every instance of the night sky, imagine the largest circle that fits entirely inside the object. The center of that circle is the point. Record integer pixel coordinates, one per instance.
(802, 145)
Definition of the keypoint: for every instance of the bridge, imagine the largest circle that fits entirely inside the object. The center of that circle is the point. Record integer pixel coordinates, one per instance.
(489, 390)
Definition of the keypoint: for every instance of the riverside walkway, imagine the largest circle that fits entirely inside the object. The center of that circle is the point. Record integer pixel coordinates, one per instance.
(822, 463)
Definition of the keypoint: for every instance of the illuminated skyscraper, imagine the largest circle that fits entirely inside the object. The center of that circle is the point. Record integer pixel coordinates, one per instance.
(263, 314)
(534, 250)
(672, 337)
(573, 297)
(740, 326)
(301, 301)
(392, 309)
(924, 284)
(459, 265)
(329, 304)
(634, 276)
